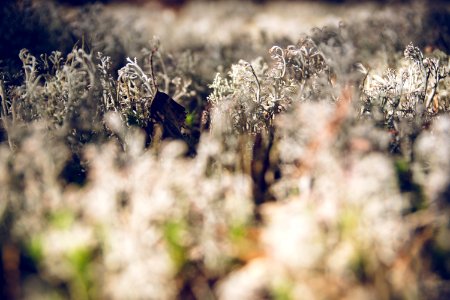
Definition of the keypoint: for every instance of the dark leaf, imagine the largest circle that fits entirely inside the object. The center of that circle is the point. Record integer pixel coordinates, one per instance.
(167, 112)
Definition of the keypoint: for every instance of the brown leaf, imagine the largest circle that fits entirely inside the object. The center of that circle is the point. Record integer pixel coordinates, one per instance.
(167, 112)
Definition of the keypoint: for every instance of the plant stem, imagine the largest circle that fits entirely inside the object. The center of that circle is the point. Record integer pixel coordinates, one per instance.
(258, 91)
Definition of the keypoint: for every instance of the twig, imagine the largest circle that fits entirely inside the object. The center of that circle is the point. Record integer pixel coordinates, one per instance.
(4, 114)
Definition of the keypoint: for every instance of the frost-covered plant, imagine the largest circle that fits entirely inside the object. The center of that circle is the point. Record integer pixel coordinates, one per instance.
(302, 66)
(138, 86)
(258, 92)
(109, 95)
(58, 89)
(74, 92)
(408, 92)
(136, 91)
(174, 74)
(243, 92)
(406, 100)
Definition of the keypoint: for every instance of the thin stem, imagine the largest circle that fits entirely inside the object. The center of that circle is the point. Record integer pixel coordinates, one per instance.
(2, 94)
(164, 70)
(4, 114)
(434, 88)
(284, 64)
(155, 85)
(427, 77)
(258, 91)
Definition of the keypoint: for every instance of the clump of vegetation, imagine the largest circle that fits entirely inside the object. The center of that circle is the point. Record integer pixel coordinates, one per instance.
(259, 92)
(310, 171)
